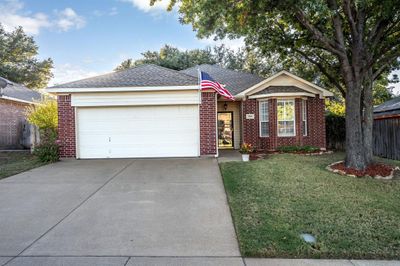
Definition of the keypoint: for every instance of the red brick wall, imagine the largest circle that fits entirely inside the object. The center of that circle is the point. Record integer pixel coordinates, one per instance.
(208, 112)
(315, 121)
(250, 126)
(66, 126)
(12, 118)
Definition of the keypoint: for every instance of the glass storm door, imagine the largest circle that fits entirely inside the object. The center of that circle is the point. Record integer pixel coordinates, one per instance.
(225, 129)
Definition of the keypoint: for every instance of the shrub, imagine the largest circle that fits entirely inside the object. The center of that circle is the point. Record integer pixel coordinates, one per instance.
(294, 149)
(47, 152)
(43, 115)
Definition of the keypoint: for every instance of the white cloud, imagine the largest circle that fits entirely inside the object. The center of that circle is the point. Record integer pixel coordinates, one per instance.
(68, 72)
(234, 44)
(112, 12)
(144, 5)
(12, 17)
(68, 19)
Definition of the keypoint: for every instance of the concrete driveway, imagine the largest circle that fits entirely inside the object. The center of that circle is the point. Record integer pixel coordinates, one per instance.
(117, 212)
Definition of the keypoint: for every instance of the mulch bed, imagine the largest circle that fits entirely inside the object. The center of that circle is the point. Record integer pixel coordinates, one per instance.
(376, 170)
(257, 155)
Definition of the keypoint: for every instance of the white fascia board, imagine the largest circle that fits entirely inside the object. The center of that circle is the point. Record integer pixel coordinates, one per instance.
(281, 94)
(122, 89)
(16, 100)
(243, 94)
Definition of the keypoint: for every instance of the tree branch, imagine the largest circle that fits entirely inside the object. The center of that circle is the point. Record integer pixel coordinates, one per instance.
(331, 78)
(327, 43)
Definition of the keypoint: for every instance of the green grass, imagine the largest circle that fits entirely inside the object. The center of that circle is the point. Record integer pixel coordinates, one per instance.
(274, 200)
(12, 163)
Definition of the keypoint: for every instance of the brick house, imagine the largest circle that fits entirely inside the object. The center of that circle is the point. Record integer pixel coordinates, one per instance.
(151, 111)
(15, 132)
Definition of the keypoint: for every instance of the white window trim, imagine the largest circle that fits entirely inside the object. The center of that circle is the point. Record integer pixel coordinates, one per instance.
(294, 118)
(259, 118)
(304, 116)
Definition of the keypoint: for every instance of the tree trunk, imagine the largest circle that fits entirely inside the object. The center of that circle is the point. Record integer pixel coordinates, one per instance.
(355, 152)
(368, 119)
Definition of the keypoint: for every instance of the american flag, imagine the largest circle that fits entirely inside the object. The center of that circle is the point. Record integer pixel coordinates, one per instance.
(207, 82)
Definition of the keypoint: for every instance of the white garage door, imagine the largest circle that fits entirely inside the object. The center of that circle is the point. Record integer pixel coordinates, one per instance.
(148, 131)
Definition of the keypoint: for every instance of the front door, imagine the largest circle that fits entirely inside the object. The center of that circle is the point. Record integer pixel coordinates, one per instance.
(225, 129)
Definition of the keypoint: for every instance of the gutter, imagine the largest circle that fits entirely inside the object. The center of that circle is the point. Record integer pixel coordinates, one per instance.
(16, 100)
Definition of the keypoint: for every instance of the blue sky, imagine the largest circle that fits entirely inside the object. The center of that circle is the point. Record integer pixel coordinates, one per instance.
(91, 37)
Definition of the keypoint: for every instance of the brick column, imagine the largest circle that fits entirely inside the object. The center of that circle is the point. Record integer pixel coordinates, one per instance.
(316, 123)
(66, 126)
(273, 125)
(250, 126)
(208, 124)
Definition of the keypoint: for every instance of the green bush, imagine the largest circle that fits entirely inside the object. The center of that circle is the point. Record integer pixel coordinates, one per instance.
(47, 152)
(291, 149)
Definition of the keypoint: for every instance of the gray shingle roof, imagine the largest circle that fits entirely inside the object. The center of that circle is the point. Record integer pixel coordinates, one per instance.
(235, 81)
(20, 92)
(389, 107)
(278, 89)
(140, 76)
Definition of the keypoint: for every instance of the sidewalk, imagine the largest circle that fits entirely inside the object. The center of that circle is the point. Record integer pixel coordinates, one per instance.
(171, 261)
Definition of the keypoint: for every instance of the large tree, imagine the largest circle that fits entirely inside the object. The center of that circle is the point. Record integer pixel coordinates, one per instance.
(18, 61)
(351, 42)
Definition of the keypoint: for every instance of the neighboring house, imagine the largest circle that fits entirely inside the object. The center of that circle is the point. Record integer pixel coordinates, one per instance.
(151, 111)
(386, 131)
(15, 131)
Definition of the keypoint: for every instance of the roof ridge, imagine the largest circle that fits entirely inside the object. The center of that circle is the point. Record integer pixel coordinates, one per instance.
(172, 70)
(226, 69)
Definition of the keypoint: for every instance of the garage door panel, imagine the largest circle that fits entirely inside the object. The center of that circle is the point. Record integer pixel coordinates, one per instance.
(120, 132)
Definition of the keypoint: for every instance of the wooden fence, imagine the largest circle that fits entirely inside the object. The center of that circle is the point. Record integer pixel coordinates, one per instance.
(386, 133)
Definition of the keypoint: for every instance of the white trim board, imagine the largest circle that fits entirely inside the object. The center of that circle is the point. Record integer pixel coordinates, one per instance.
(281, 94)
(121, 89)
(259, 86)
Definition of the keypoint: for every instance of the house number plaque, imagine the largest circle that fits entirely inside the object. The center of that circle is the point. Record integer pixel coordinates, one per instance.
(249, 116)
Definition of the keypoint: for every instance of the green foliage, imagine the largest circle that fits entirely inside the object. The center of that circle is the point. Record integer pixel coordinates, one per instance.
(18, 61)
(242, 59)
(335, 131)
(44, 115)
(279, 28)
(172, 57)
(47, 152)
(335, 107)
(298, 149)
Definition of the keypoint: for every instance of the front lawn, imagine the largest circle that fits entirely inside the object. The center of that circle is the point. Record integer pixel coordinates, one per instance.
(12, 163)
(274, 200)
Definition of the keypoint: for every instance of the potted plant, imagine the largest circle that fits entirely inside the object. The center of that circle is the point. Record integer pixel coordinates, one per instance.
(245, 150)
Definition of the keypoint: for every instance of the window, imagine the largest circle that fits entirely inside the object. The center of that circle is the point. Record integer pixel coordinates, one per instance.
(286, 118)
(304, 117)
(264, 119)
